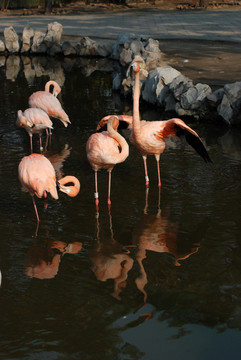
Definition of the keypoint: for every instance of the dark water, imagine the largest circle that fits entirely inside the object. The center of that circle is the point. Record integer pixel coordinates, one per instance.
(131, 284)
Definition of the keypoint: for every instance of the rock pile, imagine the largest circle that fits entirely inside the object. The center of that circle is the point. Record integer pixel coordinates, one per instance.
(161, 85)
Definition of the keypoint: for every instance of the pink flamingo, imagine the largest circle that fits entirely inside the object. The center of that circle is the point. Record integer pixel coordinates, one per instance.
(105, 150)
(48, 102)
(34, 121)
(37, 176)
(150, 137)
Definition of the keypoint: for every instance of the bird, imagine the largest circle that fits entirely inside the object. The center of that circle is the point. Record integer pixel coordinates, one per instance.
(150, 137)
(48, 102)
(34, 121)
(37, 176)
(105, 150)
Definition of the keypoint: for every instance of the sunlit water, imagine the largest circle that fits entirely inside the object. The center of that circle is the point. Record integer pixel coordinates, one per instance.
(144, 281)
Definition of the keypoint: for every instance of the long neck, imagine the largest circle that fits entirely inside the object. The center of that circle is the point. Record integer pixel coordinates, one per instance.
(136, 97)
(122, 142)
(56, 87)
(71, 190)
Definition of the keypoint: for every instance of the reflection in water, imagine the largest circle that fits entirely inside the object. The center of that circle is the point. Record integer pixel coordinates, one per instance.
(111, 260)
(57, 159)
(42, 261)
(155, 233)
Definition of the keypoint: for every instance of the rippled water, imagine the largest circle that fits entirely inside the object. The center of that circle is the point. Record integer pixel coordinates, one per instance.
(143, 281)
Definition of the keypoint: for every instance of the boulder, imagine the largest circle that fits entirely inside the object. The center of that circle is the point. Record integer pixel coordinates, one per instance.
(11, 40)
(39, 46)
(54, 34)
(27, 38)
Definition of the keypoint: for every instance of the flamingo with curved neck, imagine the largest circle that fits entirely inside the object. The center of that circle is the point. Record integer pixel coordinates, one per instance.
(49, 103)
(56, 87)
(149, 137)
(105, 150)
(38, 177)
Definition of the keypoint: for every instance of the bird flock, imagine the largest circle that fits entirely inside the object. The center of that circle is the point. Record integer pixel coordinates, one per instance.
(103, 149)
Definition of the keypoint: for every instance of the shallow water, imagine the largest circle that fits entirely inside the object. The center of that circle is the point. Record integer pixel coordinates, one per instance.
(142, 281)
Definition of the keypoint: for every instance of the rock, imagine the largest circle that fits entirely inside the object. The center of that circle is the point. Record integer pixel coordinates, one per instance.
(11, 40)
(194, 96)
(68, 49)
(39, 46)
(27, 37)
(86, 47)
(2, 46)
(156, 85)
(225, 110)
(54, 34)
(55, 50)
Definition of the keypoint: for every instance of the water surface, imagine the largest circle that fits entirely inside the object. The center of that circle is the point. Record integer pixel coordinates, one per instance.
(142, 281)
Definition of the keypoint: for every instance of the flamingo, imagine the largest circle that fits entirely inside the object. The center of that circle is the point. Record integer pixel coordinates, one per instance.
(34, 121)
(37, 176)
(149, 137)
(105, 150)
(48, 102)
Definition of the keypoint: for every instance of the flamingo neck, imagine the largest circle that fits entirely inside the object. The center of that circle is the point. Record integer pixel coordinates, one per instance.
(56, 87)
(136, 97)
(114, 122)
(71, 190)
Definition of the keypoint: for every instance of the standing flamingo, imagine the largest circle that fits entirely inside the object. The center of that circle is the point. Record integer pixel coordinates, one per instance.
(37, 176)
(34, 121)
(104, 151)
(150, 137)
(48, 102)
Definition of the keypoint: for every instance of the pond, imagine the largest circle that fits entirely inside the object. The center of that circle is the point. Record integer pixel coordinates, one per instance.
(141, 280)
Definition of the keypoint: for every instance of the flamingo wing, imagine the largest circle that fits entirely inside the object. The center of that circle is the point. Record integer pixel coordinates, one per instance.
(177, 127)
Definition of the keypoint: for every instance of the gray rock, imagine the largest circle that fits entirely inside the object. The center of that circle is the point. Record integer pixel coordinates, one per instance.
(39, 46)
(54, 34)
(27, 38)
(11, 40)
(2, 46)
(68, 49)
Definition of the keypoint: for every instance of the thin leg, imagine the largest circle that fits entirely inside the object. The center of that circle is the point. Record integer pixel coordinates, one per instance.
(109, 189)
(146, 203)
(158, 170)
(40, 142)
(47, 140)
(35, 208)
(146, 172)
(96, 192)
(31, 143)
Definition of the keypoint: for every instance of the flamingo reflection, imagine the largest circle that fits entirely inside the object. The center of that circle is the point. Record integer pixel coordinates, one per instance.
(42, 262)
(111, 260)
(155, 233)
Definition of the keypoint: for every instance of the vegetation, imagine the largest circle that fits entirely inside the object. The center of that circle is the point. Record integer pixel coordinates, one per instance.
(49, 4)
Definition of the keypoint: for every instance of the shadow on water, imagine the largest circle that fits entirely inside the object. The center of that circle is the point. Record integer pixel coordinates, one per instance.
(149, 278)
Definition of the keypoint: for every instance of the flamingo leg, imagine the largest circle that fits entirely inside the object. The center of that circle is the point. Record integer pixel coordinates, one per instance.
(47, 140)
(146, 172)
(109, 189)
(158, 170)
(35, 208)
(96, 192)
(146, 203)
(40, 142)
(31, 143)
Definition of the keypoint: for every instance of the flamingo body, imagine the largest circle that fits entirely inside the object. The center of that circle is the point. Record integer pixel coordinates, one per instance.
(38, 177)
(105, 150)
(150, 137)
(34, 121)
(49, 103)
